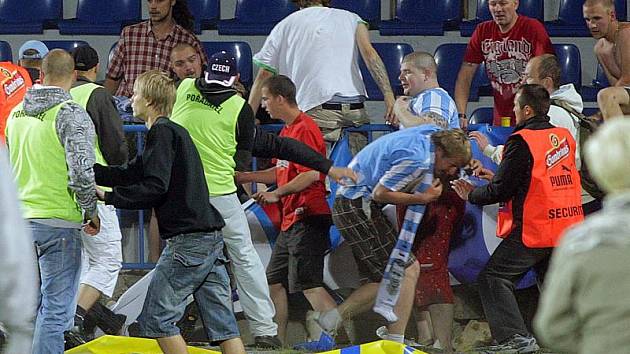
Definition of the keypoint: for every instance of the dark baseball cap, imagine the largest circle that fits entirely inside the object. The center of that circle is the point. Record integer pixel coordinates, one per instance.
(85, 58)
(221, 69)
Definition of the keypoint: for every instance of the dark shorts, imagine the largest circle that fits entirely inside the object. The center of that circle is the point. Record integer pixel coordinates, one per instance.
(371, 239)
(191, 264)
(298, 255)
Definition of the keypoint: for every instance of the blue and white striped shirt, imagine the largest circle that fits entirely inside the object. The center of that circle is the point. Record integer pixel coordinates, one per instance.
(438, 101)
(393, 160)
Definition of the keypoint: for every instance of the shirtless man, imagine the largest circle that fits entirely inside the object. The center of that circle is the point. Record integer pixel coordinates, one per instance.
(613, 53)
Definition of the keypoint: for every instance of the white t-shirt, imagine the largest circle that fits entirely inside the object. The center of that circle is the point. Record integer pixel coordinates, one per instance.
(316, 47)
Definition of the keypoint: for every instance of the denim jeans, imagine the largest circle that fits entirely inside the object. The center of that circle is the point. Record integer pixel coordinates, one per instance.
(59, 258)
(508, 264)
(191, 264)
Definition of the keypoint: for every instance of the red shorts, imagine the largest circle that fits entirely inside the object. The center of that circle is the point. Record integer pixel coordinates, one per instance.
(431, 247)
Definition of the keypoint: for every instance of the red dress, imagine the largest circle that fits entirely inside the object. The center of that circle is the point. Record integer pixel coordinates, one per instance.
(431, 247)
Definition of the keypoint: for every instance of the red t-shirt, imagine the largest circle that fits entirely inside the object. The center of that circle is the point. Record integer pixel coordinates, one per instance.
(505, 56)
(14, 81)
(312, 200)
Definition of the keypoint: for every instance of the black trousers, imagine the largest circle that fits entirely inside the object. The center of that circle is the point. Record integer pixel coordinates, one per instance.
(507, 265)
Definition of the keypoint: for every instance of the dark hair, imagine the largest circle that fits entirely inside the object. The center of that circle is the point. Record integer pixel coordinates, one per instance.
(307, 3)
(548, 66)
(182, 15)
(281, 85)
(534, 96)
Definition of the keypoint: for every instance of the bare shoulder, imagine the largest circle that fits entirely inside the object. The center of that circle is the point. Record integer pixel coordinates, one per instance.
(624, 32)
(601, 46)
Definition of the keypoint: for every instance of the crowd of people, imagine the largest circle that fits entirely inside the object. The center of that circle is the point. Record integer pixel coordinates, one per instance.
(67, 169)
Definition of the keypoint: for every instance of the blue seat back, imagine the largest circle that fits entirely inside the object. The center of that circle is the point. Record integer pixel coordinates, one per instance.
(125, 11)
(241, 52)
(448, 58)
(482, 115)
(65, 45)
(205, 10)
(445, 11)
(5, 51)
(368, 10)
(253, 11)
(570, 11)
(32, 11)
(529, 8)
(570, 64)
(600, 78)
(392, 55)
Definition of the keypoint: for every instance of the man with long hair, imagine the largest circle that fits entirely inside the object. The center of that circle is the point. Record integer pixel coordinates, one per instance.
(147, 45)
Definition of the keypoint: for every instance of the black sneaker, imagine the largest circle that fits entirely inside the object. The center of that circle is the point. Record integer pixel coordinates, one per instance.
(72, 339)
(517, 343)
(267, 342)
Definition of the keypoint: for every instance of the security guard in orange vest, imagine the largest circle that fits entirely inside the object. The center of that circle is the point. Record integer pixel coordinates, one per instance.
(538, 185)
(14, 81)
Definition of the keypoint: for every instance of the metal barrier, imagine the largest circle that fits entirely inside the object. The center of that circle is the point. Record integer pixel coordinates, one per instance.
(140, 131)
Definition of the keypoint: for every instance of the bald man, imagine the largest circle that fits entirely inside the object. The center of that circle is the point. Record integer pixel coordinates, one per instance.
(418, 76)
(51, 148)
(613, 53)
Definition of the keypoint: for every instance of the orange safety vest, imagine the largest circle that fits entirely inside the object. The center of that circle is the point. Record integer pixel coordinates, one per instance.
(14, 80)
(553, 201)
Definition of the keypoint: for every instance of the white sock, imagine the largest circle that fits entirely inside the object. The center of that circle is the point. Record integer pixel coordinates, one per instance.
(400, 338)
(330, 320)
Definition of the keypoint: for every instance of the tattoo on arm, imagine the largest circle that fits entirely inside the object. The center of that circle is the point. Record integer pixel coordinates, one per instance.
(379, 73)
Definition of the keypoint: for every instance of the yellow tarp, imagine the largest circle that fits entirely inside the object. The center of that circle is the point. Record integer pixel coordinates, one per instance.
(126, 345)
(130, 345)
(378, 347)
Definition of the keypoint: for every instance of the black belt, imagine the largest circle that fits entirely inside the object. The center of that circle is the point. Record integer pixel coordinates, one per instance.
(337, 106)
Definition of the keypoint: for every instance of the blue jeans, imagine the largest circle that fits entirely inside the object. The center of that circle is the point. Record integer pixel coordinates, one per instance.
(191, 264)
(59, 257)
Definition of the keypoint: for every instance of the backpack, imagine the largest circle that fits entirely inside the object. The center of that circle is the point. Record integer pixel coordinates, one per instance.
(587, 127)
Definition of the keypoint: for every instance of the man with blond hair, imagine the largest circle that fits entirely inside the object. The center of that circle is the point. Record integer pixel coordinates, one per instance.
(169, 178)
(51, 147)
(612, 50)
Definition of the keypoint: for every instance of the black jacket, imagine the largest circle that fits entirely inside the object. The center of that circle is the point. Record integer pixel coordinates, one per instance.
(107, 123)
(168, 177)
(513, 175)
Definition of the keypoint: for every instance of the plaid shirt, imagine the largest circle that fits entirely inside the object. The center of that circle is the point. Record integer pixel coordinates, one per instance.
(138, 51)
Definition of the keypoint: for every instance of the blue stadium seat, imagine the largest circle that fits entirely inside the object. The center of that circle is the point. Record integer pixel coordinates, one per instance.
(589, 93)
(29, 16)
(590, 111)
(570, 22)
(481, 115)
(206, 12)
(570, 64)
(241, 52)
(529, 8)
(392, 55)
(369, 10)
(102, 17)
(65, 45)
(424, 18)
(255, 17)
(5, 51)
(449, 58)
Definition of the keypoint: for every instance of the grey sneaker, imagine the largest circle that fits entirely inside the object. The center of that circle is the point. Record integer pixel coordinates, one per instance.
(515, 344)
